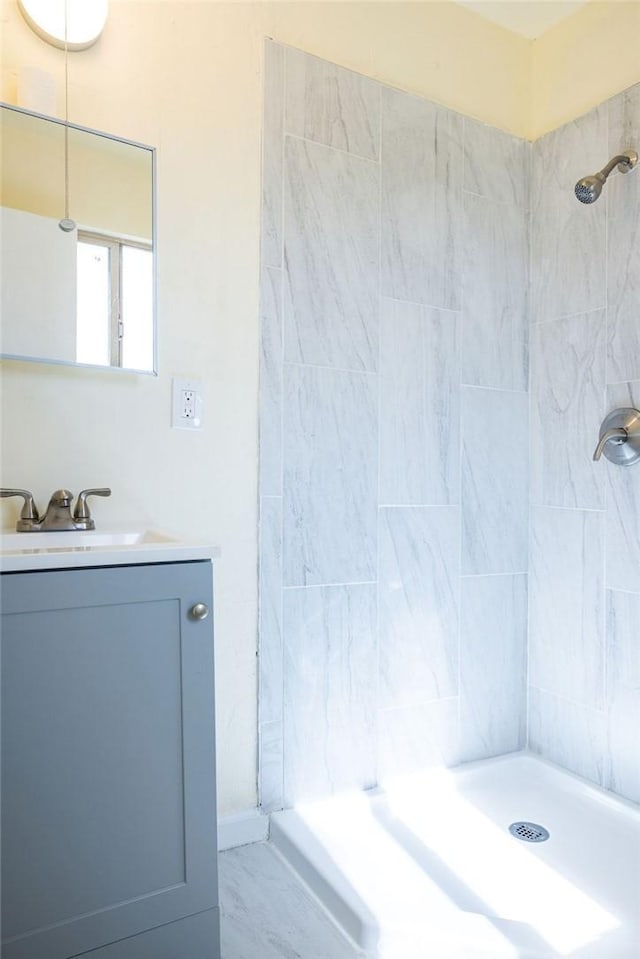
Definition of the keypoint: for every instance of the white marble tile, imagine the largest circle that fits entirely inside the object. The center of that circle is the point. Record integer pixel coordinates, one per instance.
(421, 201)
(568, 242)
(271, 767)
(330, 482)
(623, 273)
(568, 265)
(622, 764)
(331, 105)
(271, 382)
(624, 114)
(567, 734)
(559, 159)
(419, 405)
(567, 408)
(494, 317)
(416, 738)
(494, 481)
(272, 133)
(623, 642)
(622, 769)
(331, 253)
(268, 913)
(419, 566)
(496, 164)
(566, 608)
(270, 652)
(623, 505)
(330, 690)
(493, 666)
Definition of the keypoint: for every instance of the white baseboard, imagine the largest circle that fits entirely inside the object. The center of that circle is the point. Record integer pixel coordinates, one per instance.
(241, 829)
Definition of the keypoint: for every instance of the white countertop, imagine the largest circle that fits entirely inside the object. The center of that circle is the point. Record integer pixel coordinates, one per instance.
(22, 552)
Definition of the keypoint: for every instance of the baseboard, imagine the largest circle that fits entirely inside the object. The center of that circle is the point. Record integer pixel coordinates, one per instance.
(241, 829)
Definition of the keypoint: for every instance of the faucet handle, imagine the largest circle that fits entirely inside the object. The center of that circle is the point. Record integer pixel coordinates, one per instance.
(81, 514)
(619, 437)
(616, 435)
(29, 513)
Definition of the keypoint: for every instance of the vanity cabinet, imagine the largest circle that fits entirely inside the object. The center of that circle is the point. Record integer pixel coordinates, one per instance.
(108, 768)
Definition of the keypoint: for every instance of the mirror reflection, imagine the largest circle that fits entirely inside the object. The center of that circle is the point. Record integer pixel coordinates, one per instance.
(84, 297)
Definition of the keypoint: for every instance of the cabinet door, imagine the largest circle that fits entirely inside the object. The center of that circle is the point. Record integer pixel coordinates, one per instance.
(108, 769)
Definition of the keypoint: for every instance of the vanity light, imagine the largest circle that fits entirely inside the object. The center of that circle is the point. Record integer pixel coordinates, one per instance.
(86, 20)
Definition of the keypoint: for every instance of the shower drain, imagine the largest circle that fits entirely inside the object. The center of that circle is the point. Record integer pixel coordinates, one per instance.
(529, 831)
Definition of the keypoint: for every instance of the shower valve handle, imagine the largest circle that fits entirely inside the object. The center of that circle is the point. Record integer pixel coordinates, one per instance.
(618, 435)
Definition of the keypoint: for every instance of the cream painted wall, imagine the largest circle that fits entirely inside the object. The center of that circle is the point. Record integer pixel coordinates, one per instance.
(582, 61)
(187, 78)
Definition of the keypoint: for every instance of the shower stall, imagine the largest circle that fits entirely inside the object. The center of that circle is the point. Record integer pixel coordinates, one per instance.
(447, 575)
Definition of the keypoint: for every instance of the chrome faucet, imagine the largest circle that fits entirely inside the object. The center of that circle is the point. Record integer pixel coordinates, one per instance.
(58, 515)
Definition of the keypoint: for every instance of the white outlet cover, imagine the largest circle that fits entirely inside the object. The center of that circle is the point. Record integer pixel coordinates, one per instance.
(186, 416)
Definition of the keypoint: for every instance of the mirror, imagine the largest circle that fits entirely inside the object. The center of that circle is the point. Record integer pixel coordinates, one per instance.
(86, 297)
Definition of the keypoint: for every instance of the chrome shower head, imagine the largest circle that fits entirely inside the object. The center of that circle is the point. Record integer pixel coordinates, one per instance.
(589, 188)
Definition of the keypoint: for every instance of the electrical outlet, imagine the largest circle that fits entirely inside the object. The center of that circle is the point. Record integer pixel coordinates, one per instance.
(186, 405)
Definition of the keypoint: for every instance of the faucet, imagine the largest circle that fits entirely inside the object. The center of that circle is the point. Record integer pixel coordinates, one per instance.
(58, 515)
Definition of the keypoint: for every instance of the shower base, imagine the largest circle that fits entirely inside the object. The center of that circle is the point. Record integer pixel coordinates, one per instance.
(427, 867)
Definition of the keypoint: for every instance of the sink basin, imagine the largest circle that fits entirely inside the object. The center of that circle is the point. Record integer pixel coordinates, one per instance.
(116, 547)
(79, 539)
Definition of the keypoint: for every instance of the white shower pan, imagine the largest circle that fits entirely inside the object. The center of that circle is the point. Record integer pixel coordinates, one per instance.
(427, 867)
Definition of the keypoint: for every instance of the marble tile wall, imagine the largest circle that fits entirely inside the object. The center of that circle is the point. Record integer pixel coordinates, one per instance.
(393, 434)
(584, 694)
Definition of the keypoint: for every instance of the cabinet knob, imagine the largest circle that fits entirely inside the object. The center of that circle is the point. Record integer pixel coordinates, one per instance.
(199, 611)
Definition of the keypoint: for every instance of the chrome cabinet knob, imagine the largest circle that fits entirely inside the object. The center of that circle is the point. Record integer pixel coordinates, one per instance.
(199, 611)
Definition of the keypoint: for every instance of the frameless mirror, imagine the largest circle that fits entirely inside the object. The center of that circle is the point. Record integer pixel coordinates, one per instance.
(86, 297)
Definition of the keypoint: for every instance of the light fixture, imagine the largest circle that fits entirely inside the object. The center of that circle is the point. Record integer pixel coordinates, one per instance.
(47, 18)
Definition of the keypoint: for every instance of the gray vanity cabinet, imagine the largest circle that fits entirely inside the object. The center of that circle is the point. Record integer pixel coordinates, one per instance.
(108, 769)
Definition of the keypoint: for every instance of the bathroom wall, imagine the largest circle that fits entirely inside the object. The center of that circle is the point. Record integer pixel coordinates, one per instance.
(187, 78)
(584, 667)
(581, 61)
(393, 440)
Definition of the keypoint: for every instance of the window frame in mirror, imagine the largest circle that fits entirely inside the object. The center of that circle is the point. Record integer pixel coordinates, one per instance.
(21, 358)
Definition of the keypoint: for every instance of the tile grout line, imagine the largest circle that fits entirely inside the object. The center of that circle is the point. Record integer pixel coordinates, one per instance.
(603, 524)
(530, 450)
(282, 399)
(567, 699)
(423, 306)
(332, 369)
(378, 684)
(363, 582)
(329, 146)
(568, 316)
(459, 359)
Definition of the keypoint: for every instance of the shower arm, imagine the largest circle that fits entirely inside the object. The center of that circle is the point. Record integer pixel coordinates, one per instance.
(623, 159)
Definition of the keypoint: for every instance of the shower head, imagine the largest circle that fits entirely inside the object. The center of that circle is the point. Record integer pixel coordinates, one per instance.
(589, 188)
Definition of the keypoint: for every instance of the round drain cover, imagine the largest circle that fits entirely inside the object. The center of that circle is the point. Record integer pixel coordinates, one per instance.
(529, 831)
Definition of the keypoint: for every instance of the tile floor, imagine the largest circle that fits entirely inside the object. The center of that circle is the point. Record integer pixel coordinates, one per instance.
(267, 913)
